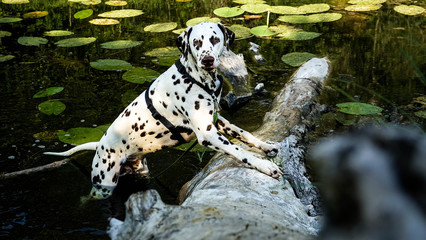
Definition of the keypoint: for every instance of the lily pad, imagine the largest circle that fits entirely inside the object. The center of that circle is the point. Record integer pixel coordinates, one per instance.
(58, 33)
(421, 114)
(296, 59)
(291, 33)
(140, 75)
(240, 31)
(195, 21)
(35, 14)
(409, 9)
(165, 61)
(10, 19)
(5, 34)
(314, 18)
(249, 1)
(4, 58)
(120, 44)
(357, 108)
(179, 31)
(363, 8)
(116, 3)
(104, 21)
(366, 2)
(160, 27)
(75, 42)
(83, 14)
(313, 8)
(32, 41)
(228, 12)
(123, 13)
(80, 135)
(111, 65)
(262, 31)
(48, 92)
(256, 8)
(46, 136)
(284, 10)
(50, 107)
(164, 52)
(15, 1)
(91, 2)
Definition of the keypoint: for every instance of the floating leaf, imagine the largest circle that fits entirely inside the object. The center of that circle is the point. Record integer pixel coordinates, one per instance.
(357, 108)
(104, 21)
(284, 10)
(366, 2)
(249, 1)
(409, 10)
(111, 65)
(256, 8)
(183, 1)
(140, 75)
(5, 34)
(296, 59)
(123, 13)
(58, 33)
(160, 27)
(116, 3)
(262, 31)
(314, 18)
(15, 1)
(363, 8)
(120, 44)
(10, 19)
(36, 14)
(164, 52)
(240, 31)
(48, 92)
(46, 136)
(228, 12)
(195, 21)
(313, 8)
(50, 107)
(178, 31)
(75, 42)
(91, 2)
(80, 135)
(4, 58)
(83, 14)
(165, 61)
(421, 114)
(32, 41)
(291, 33)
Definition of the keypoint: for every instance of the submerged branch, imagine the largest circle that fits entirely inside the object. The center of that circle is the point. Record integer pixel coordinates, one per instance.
(36, 169)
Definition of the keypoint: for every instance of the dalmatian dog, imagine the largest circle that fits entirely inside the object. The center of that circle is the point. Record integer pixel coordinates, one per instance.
(179, 105)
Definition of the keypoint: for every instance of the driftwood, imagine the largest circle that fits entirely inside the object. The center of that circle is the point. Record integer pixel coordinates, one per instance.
(36, 169)
(228, 201)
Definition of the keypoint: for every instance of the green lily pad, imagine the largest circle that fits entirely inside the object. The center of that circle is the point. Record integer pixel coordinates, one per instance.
(48, 92)
(421, 114)
(46, 136)
(314, 18)
(195, 21)
(299, 35)
(183, 1)
(35, 14)
(15, 1)
(296, 59)
(409, 9)
(116, 3)
(357, 108)
(179, 31)
(111, 65)
(10, 19)
(228, 12)
(363, 8)
(256, 8)
(164, 52)
(123, 13)
(249, 1)
(240, 31)
(313, 8)
(5, 34)
(4, 58)
(50, 107)
(366, 2)
(75, 42)
(80, 135)
(165, 61)
(58, 33)
(91, 2)
(83, 14)
(120, 44)
(160, 27)
(140, 75)
(262, 31)
(284, 10)
(104, 21)
(32, 41)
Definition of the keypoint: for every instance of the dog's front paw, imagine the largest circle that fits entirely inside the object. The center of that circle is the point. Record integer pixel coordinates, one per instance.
(267, 167)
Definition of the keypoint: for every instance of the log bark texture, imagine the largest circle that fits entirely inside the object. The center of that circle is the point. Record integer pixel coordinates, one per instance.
(228, 201)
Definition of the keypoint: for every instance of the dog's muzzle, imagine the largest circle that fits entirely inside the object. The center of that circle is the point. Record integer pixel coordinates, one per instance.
(208, 63)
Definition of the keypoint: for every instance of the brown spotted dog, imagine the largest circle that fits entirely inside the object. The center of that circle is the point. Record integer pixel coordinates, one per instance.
(178, 106)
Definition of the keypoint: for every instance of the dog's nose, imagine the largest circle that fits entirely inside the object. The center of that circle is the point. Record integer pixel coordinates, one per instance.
(208, 61)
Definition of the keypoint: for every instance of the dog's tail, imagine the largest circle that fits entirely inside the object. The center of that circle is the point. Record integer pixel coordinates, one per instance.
(85, 146)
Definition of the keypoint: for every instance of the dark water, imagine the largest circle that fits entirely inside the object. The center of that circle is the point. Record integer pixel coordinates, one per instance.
(374, 58)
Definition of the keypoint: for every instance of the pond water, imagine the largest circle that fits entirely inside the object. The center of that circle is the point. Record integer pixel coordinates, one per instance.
(377, 58)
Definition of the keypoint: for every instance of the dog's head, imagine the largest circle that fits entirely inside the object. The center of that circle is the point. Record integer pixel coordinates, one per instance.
(205, 42)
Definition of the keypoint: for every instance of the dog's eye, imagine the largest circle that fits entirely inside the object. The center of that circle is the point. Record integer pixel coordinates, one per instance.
(214, 40)
(198, 44)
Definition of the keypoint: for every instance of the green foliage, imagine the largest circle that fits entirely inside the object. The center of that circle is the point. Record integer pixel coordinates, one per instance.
(195, 21)
(120, 44)
(116, 3)
(314, 18)
(357, 108)
(363, 8)
(240, 31)
(75, 42)
(15, 1)
(83, 14)
(123, 13)
(57, 33)
(50, 107)
(262, 31)
(4, 58)
(228, 12)
(111, 65)
(104, 21)
(48, 92)
(80, 135)
(32, 41)
(10, 19)
(35, 14)
(256, 8)
(409, 9)
(296, 59)
(5, 34)
(290, 33)
(160, 27)
(140, 75)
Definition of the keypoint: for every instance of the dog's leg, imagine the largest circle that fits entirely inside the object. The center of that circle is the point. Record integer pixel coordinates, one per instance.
(230, 129)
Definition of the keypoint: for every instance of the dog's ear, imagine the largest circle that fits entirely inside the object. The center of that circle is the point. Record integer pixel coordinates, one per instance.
(182, 41)
(229, 36)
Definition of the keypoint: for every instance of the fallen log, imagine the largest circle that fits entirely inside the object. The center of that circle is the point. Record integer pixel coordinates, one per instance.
(228, 201)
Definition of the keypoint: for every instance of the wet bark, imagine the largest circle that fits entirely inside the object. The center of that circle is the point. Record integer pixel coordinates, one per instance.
(228, 201)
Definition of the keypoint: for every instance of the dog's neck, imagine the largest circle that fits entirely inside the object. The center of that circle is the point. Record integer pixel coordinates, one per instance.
(207, 78)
